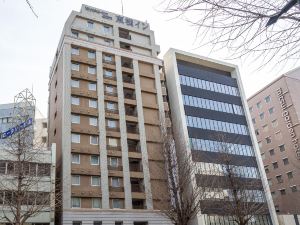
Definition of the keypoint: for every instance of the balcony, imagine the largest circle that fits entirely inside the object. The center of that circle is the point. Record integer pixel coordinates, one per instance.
(128, 78)
(130, 110)
(126, 62)
(116, 168)
(132, 127)
(133, 146)
(114, 148)
(116, 189)
(111, 93)
(138, 204)
(125, 46)
(124, 34)
(135, 165)
(129, 93)
(136, 185)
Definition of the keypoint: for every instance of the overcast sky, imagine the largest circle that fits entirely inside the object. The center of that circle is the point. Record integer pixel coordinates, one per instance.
(28, 44)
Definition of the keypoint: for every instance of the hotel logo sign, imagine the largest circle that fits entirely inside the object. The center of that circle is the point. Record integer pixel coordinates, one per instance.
(16, 129)
(289, 124)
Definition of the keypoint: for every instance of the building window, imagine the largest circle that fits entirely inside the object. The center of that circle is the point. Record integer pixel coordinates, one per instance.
(294, 188)
(253, 120)
(95, 181)
(75, 66)
(257, 132)
(74, 34)
(267, 169)
(92, 86)
(285, 161)
(44, 139)
(113, 162)
(90, 24)
(75, 138)
(91, 69)
(108, 73)
(97, 223)
(279, 178)
(90, 38)
(113, 142)
(75, 100)
(111, 106)
(281, 148)
(75, 51)
(290, 175)
(108, 42)
(94, 140)
(263, 155)
(91, 54)
(277, 208)
(268, 140)
(75, 158)
(282, 191)
(96, 204)
(275, 165)
(116, 204)
(272, 152)
(93, 121)
(258, 105)
(108, 58)
(75, 179)
(76, 202)
(265, 128)
(109, 89)
(111, 124)
(75, 119)
(107, 29)
(271, 110)
(94, 159)
(115, 182)
(75, 83)
(274, 123)
(93, 103)
(270, 182)
(262, 116)
(268, 99)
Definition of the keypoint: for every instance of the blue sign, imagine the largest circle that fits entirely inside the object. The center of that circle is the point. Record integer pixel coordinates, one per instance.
(16, 129)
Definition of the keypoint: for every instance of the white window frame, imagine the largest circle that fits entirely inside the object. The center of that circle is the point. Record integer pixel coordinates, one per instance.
(114, 199)
(77, 198)
(109, 142)
(75, 83)
(90, 37)
(76, 184)
(106, 57)
(91, 105)
(90, 24)
(75, 66)
(97, 138)
(91, 123)
(117, 161)
(100, 204)
(98, 160)
(75, 51)
(91, 54)
(77, 135)
(108, 73)
(75, 162)
(74, 100)
(110, 103)
(95, 185)
(92, 70)
(110, 122)
(75, 121)
(94, 85)
(118, 182)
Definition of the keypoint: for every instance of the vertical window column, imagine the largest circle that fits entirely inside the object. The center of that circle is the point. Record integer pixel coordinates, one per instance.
(123, 132)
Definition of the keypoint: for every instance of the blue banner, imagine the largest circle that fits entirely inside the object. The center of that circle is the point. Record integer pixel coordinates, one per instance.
(16, 129)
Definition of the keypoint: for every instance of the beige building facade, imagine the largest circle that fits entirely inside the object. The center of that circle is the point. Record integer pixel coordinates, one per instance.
(275, 112)
(106, 101)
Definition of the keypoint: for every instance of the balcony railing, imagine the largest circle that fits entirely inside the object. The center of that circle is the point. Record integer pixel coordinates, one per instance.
(117, 168)
(135, 168)
(137, 188)
(111, 93)
(132, 129)
(115, 148)
(128, 79)
(134, 148)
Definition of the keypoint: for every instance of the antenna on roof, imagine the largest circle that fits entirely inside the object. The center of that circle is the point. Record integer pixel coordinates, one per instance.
(122, 8)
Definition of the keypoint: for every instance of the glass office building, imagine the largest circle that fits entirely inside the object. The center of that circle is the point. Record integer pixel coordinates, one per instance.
(209, 116)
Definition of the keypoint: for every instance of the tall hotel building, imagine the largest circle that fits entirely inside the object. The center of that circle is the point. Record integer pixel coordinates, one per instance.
(275, 112)
(207, 100)
(105, 103)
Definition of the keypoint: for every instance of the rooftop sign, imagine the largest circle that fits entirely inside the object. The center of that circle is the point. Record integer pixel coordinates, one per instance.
(16, 129)
(118, 18)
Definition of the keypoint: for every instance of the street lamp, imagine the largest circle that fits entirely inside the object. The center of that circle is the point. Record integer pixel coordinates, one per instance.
(286, 8)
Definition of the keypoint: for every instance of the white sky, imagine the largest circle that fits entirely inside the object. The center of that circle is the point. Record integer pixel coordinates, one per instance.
(28, 44)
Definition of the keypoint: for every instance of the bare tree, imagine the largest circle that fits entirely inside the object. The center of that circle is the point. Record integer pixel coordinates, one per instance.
(26, 184)
(184, 194)
(243, 197)
(240, 26)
